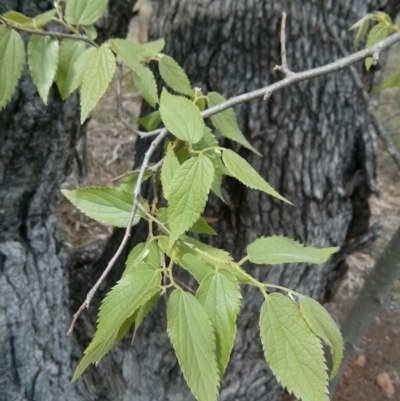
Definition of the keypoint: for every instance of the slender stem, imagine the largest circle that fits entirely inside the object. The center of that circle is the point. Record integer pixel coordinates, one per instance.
(136, 198)
(279, 287)
(57, 35)
(296, 77)
(245, 259)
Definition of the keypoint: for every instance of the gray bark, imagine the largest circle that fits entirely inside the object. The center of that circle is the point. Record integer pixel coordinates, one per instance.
(371, 301)
(315, 140)
(36, 149)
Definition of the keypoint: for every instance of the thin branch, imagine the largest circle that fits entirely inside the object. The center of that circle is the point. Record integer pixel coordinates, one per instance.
(391, 117)
(57, 35)
(304, 76)
(136, 199)
(388, 143)
(153, 168)
(284, 66)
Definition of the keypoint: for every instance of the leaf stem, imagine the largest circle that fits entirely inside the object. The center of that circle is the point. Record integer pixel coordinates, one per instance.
(57, 35)
(279, 287)
(245, 259)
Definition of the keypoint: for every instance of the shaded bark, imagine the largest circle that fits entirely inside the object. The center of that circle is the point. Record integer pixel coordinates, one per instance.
(318, 152)
(371, 301)
(36, 150)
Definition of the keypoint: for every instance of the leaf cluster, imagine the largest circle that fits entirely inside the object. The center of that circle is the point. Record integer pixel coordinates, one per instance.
(201, 321)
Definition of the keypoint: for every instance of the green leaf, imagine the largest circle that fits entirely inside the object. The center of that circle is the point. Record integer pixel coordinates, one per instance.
(188, 194)
(142, 76)
(225, 122)
(148, 253)
(145, 83)
(19, 19)
(391, 82)
(369, 62)
(127, 49)
(376, 34)
(291, 349)
(117, 310)
(90, 31)
(105, 204)
(168, 170)
(195, 265)
(84, 12)
(174, 76)
(181, 117)
(96, 77)
(150, 49)
(70, 51)
(144, 310)
(128, 183)
(362, 25)
(127, 295)
(78, 69)
(12, 61)
(151, 121)
(192, 336)
(43, 60)
(219, 294)
(277, 249)
(324, 327)
(201, 227)
(93, 354)
(242, 171)
(42, 20)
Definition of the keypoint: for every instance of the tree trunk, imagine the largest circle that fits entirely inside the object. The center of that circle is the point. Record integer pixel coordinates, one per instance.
(36, 150)
(318, 152)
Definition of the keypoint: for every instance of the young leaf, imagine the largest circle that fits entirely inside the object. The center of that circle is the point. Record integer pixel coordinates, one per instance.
(90, 31)
(42, 20)
(84, 12)
(142, 76)
(291, 349)
(323, 326)
(145, 83)
(129, 182)
(181, 117)
(195, 265)
(96, 77)
(129, 294)
(277, 249)
(242, 171)
(43, 61)
(148, 253)
(369, 62)
(12, 61)
(127, 49)
(219, 294)
(93, 354)
(150, 121)
(174, 76)
(225, 122)
(376, 34)
(70, 51)
(150, 49)
(201, 227)
(19, 19)
(391, 82)
(120, 305)
(188, 194)
(192, 336)
(105, 204)
(168, 170)
(144, 310)
(362, 25)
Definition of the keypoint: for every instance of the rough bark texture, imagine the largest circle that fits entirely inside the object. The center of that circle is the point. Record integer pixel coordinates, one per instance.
(318, 152)
(36, 148)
